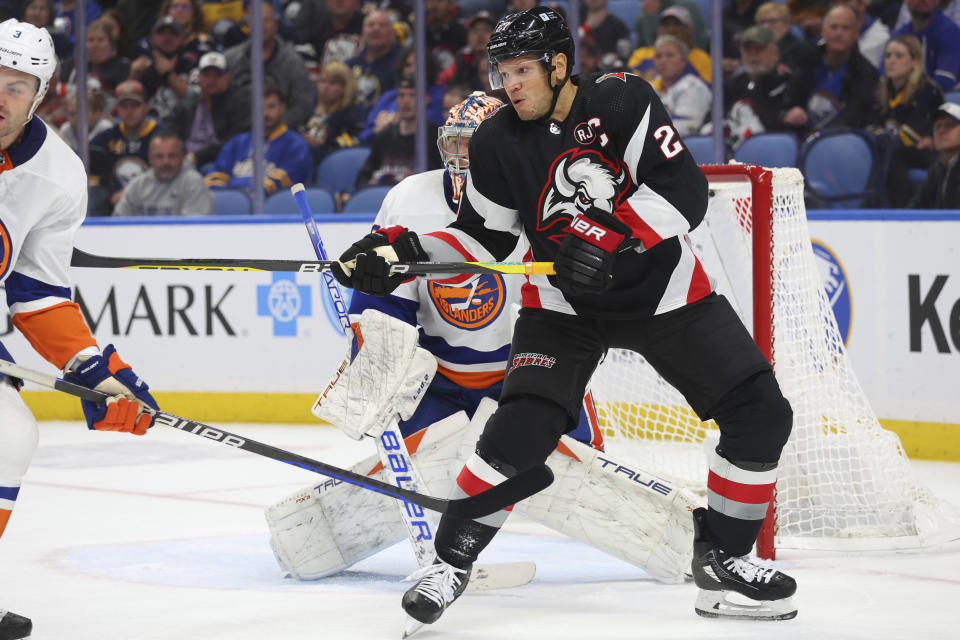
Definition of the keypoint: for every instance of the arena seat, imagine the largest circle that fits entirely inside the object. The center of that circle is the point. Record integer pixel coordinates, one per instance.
(366, 200)
(768, 150)
(839, 167)
(338, 171)
(229, 202)
(283, 202)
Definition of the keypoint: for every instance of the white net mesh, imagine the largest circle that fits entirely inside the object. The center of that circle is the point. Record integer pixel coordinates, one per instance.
(844, 481)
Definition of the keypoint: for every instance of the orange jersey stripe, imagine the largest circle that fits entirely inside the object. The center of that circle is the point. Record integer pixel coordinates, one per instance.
(472, 379)
(57, 333)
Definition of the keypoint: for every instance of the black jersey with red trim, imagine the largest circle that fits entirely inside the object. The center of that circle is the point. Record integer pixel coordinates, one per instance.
(616, 150)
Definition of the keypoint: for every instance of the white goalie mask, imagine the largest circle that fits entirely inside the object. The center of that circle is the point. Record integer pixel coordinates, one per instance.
(453, 138)
(27, 48)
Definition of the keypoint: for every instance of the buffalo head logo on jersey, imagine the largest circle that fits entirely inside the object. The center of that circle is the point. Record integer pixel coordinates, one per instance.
(580, 179)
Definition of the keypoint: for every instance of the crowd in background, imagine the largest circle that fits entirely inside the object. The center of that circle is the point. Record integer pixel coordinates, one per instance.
(168, 84)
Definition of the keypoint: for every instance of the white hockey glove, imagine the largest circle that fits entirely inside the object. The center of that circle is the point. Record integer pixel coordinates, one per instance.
(388, 377)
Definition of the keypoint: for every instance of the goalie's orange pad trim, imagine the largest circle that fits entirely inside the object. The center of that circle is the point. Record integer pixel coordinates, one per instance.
(472, 379)
(57, 333)
(4, 518)
(412, 442)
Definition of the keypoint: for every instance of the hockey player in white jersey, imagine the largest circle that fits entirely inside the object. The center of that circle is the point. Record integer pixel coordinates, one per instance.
(326, 528)
(43, 200)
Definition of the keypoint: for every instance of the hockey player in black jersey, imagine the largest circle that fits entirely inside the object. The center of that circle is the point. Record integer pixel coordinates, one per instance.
(592, 172)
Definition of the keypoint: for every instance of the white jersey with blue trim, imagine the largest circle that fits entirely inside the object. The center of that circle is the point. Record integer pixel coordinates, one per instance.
(43, 201)
(466, 326)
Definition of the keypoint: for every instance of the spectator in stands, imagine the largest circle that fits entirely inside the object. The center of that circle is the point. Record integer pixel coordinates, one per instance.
(675, 21)
(103, 61)
(950, 8)
(115, 21)
(40, 13)
(795, 52)
(333, 28)
(119, 154)
(446, 35)
(608, 31)
(454, 95)
(196, 41)
(737, 16)
(226, 10)
(337, 121)
(648, 21)
(941, 188)
(384, 110)
(754, 97)
(873, 33)
(97, 118)
(287, 156)
(808, 15)
(392, 153)
(66, 10)
(464, 70)
(840, 89)
(374, 65)
(169, 188)
(940, 38)
(908, 102)
(282, 66)
(54, 109)
(164, 71)
(685, 95)
(213, 112)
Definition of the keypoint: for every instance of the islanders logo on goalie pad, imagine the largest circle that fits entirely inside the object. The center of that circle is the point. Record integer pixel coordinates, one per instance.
(473, 305)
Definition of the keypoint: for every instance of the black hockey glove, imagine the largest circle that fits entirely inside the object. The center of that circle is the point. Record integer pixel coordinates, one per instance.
(365, 266)
(584, 264)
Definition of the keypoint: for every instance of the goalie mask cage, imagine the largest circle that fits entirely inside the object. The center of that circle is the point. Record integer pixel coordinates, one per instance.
(844, 482)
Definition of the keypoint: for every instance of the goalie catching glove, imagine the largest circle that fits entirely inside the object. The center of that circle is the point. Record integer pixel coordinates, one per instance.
(365, 266)
(584, 263)
(131, 409)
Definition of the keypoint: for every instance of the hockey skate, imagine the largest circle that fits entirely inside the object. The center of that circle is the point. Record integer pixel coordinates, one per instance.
(438, 586)
(764, 592)
(14, 627)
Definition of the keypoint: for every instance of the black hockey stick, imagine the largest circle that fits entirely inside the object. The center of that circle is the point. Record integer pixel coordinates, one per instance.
(521, 486)
(84, 259)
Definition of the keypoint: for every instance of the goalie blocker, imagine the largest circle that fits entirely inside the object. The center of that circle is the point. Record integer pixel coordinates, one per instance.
(607, 503)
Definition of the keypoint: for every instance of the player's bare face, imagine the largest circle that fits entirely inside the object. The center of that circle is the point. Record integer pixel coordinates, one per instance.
(526, 81)
(17, 91)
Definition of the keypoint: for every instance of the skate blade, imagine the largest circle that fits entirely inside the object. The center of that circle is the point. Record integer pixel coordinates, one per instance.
(411, 626)
(733, 606)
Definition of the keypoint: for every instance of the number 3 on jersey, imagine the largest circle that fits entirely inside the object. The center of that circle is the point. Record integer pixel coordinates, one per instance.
(668, 145)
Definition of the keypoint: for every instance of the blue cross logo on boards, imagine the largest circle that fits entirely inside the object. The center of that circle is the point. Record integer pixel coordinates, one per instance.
(284, 300)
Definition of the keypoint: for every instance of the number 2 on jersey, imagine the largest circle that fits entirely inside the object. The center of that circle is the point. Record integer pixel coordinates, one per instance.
(668, 145)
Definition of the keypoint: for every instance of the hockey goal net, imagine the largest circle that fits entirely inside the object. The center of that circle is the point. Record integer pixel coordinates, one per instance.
(844, 481)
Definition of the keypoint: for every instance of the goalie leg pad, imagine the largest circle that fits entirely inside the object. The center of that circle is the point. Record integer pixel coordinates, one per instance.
(326, 528)
(617, 507)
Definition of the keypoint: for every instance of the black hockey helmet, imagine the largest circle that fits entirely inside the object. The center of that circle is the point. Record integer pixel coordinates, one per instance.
(537, 31)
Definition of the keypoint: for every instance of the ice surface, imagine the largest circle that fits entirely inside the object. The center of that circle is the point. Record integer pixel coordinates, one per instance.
(122, 538)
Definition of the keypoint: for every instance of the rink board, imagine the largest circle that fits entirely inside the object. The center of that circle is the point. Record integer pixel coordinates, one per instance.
(257, 346)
